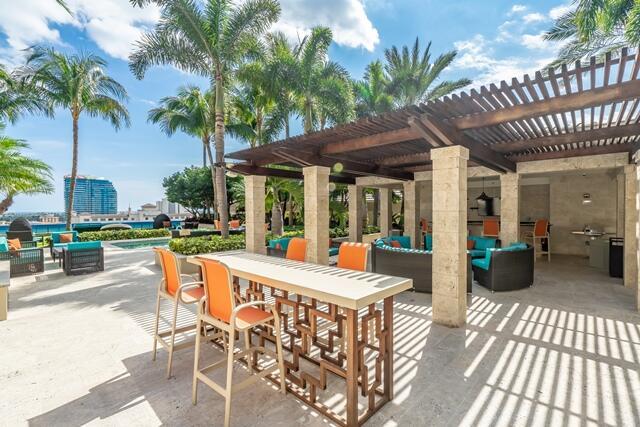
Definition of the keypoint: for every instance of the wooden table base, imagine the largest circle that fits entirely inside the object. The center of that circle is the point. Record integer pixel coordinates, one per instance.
(337, 340)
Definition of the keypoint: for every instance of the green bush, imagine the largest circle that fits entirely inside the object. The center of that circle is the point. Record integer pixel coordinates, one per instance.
(338, 232)
(371, 229)
(122, 234)
(207, 244)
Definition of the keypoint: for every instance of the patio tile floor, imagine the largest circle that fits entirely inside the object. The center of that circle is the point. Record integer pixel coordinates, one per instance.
(76, 350)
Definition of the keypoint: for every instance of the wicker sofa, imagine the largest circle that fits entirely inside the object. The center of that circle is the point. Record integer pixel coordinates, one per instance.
(405, 262)
(56, 243)
(28, 260)
(505, 269)
(278, 247)
(83, 257)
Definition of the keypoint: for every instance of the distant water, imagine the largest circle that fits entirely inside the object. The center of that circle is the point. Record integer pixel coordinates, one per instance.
(60, 226)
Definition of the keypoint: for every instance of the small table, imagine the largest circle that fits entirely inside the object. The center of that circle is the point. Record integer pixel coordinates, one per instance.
(315, 328)
(58, 252)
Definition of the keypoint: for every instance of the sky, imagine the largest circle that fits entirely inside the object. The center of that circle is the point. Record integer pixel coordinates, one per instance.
(495, 39)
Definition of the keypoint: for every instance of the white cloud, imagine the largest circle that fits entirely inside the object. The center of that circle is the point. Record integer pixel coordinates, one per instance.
(114, 25)
(517, 8)
(535, 41)
(530, 18)
(478, 56)
(347, 19)
(558, 11)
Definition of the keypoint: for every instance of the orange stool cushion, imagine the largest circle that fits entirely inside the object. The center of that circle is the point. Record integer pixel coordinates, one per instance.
(395, 244)
(252, 315)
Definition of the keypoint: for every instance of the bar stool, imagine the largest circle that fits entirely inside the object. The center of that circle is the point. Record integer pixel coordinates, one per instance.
(173, 289)
(540, 233)
(297, 249)
(490, 228)
(218, 309)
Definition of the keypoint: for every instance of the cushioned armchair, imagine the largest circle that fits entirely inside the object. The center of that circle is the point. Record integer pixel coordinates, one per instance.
(27, 260)
(505, 269)
(481, 244)
(56, 241)
(83, 257)
(410, 263)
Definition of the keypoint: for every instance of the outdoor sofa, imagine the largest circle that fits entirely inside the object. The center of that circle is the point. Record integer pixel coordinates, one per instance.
(278, 247)
(406, 262)
(56, 243)
(505, 269)
(28, 260)
(83, 257)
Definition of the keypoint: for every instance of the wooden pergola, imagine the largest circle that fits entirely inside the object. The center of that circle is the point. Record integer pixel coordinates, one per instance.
(586, 116)
(587, 109)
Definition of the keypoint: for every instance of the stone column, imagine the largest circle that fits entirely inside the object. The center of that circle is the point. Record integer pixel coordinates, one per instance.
(449, 271)
(254, 193)
(412, 213)
(356, 210)
(386, 211)
(509, 208)
(316, 213)
(620, 205)
(630, 226)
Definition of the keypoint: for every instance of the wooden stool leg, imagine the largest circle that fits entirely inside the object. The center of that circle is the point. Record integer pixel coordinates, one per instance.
(155, 330)
(251, 357)
(196, 360)
(4, 302)
(278, 334)
(227, 401)
(173, 336)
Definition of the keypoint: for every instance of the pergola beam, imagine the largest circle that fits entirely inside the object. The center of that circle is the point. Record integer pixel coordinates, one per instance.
(367, 142)
(406, 159)
(574, 152)
(569, 138)
(245, 169)
(478, 152)
(350, 166)
(578, 100)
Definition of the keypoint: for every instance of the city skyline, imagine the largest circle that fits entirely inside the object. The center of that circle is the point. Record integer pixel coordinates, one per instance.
(92, 195)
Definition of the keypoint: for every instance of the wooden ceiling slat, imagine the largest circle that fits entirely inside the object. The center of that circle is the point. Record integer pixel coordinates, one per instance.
(567, 85)
(539, 80)
(506, 98)
(578, 74)
(496, 106)
(553, 79)
(529, 124)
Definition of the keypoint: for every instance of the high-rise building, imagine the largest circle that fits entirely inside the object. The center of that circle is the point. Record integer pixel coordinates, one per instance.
(92, 195)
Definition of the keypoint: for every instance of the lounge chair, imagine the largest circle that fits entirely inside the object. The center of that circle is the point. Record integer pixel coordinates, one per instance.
(29, 259)
(83, 257)
(56, 241)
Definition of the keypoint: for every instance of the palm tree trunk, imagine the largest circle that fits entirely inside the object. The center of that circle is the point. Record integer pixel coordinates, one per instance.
(74, 169)
(6, 203)
(277, 221)
(308, 116)
(207, 148)
(221, 185)
(286, 126)
(204, 153)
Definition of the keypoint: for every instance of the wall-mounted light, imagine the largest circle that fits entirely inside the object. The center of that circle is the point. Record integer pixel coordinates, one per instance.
(586, 199)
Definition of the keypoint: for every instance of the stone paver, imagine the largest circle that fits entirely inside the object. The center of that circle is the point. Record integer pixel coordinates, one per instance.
(567, 351)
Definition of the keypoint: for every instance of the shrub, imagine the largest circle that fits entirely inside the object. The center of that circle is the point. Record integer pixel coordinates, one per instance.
(207, 244)
(122, 234)
(338, 232)
(371, 229)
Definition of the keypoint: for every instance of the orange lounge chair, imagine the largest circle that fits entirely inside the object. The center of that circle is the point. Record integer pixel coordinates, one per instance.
(218, 309)
(172, 288)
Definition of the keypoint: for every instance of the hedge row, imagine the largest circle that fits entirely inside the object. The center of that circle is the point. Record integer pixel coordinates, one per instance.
(207, 244)
(122, 234)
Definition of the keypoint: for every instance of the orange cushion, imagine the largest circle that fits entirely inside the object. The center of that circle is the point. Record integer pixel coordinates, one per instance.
(193, 294)
(395, 244)
(66, 238)
(252, 315)
(278, 246)
(14, 244)
(471, 244)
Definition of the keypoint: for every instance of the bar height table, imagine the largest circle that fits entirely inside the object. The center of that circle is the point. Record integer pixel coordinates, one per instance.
(336, 298)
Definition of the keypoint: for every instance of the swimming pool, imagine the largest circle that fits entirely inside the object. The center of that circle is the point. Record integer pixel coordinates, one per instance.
(142, 243)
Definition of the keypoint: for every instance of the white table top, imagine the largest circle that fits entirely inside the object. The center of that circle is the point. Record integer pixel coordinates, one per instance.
(346, 288)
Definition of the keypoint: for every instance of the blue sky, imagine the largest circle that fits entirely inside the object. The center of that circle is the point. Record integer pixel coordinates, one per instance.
(496, 39)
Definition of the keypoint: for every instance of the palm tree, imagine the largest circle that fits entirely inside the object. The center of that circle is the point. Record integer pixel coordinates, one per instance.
(253, 116)
(322, 87)
(79, 84)
(212, 41)
(594, 28)
(18, 96)
(412, 75)
(192, 112)
(371, 93)
(20, 174)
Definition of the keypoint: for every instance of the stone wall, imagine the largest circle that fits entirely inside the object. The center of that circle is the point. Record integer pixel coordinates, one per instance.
(568, 213)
